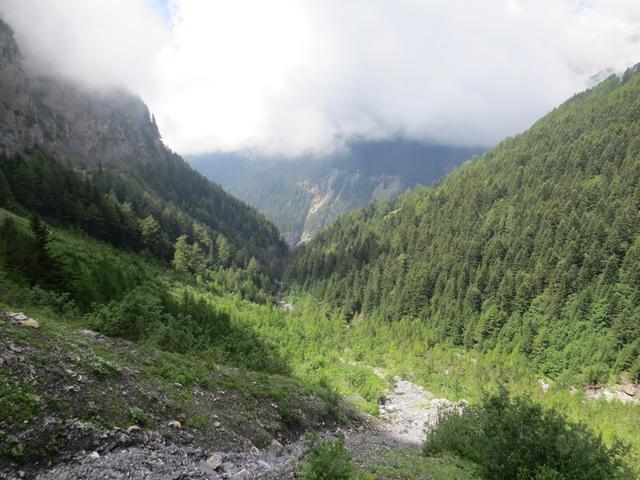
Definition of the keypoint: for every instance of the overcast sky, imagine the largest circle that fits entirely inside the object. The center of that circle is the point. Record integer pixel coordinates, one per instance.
(302, 76)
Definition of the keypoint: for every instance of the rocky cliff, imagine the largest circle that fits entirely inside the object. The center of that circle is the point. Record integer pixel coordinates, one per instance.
(67, 120)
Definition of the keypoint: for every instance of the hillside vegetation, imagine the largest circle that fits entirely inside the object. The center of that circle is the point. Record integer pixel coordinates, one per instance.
(531, 249)
(133, 342)
(195, 351)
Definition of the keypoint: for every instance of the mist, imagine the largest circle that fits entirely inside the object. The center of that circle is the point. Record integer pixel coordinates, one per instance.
(303, 77)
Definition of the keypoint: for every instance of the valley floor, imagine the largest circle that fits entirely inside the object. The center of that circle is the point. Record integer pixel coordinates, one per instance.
(54, 370)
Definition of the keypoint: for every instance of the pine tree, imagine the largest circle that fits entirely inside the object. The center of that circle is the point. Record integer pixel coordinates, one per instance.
(6, 195)
(181, 257)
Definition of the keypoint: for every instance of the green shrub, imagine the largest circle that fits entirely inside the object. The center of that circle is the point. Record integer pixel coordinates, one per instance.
(515, 438)
(328, 461)
(130, 318)
(140, 418)
(18, 404)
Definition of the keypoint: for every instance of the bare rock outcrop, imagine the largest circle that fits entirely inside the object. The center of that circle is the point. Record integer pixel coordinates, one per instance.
(68, 120)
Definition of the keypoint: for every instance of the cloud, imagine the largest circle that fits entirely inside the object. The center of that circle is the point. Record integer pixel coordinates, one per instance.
(304, 76)
(101, 43)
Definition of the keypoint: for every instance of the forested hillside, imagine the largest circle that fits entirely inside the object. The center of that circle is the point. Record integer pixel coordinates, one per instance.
(95, 160)
(533, 247)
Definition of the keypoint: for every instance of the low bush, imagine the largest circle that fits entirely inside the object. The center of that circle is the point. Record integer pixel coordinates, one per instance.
(328, 461)
(511, 437)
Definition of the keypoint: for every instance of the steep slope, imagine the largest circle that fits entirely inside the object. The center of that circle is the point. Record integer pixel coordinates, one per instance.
(68, 120)
(304, 195)
(112, 131)
(532, 248)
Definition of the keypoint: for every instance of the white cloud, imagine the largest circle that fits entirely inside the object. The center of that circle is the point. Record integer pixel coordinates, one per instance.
(99, 42)
(295, 76)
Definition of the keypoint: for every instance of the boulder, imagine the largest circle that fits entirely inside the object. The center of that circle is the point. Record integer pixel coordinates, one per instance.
(133, 429)
(214, 461)
(275, 447)
(30, 323)
(630, 389)
(243, 474)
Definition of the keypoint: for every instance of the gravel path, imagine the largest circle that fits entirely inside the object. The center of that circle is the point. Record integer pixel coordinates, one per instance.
(405, 418)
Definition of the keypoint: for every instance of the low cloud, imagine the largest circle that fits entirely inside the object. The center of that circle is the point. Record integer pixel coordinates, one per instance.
(291, 77)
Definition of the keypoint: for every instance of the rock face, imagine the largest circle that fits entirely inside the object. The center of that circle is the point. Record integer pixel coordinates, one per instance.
(69, 121)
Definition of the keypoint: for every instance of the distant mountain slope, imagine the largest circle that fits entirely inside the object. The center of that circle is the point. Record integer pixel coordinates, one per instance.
(112, 133)
(534, 247)
(302, 196)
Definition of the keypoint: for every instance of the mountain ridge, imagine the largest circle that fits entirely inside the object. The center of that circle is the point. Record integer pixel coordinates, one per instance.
(304, 195)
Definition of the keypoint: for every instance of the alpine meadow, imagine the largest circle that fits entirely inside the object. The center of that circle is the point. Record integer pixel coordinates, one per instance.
(426, 282)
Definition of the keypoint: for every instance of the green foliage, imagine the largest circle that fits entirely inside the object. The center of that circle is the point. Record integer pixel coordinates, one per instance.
(514, 438)
(186, 258)
(17, 403)
(132, 317)
(328, 461)
(532, 248)
(138, 417)
(402, 464)
(28, 255)
(6, 195)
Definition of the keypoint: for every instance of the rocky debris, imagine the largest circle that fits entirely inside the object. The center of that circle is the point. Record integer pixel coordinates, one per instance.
(544, 385)
(152, 458)
(405, 418)
(93, 456)
(30, 323)
(284, 305)
(625, 393)
(90, 334)
(243, 474)
(19, 318)
(264, 465)
(154, 461)
(72, 369)
(410, 411)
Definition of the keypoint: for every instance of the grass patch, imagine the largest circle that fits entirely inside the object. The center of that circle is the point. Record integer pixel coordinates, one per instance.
(407, 464)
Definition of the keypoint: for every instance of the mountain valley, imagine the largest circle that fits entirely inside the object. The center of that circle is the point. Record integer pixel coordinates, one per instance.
(304, 195)
(399, 310)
